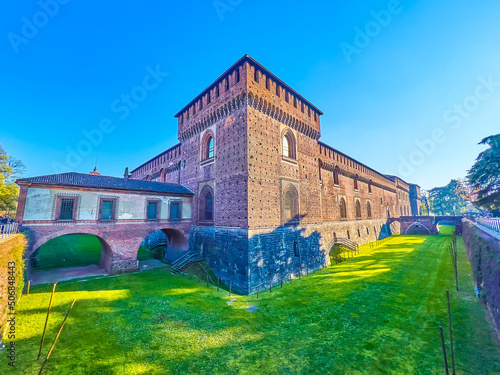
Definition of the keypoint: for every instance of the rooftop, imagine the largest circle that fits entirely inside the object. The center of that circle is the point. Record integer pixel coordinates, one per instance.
(251, 61)
(105, 182)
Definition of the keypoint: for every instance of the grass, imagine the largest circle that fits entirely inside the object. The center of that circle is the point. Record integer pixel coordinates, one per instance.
(358, 317)
(72, 250)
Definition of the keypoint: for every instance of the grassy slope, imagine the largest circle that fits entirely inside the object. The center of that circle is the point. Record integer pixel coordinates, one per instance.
(361, 316)
(73, 250)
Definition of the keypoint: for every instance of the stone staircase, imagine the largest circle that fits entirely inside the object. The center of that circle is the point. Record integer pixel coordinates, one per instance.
(181, 263)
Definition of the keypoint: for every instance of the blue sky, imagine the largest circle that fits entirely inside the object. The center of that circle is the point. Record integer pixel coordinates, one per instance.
(408, 87)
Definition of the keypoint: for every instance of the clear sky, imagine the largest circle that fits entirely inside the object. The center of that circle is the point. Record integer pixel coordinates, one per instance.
(408, 87)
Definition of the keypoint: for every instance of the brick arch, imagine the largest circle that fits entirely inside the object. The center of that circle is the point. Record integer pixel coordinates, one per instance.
(120, 243)
(417, 228)
(106, 249)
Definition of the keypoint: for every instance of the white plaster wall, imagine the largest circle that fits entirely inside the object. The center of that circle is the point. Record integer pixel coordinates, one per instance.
(41, 205)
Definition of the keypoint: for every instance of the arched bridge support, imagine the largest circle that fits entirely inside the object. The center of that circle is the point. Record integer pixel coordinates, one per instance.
(119, 242)
(427, 224)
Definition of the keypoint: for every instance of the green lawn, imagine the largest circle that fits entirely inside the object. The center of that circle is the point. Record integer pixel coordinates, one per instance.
(358, 317)
(73, 250)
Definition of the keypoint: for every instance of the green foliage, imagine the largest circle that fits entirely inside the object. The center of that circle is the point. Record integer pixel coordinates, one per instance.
(72, 250)
(361, 316)
(484, 176)
(10, 169)
(447, 200)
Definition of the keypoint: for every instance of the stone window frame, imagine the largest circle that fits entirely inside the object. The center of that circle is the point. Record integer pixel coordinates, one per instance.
(57, 206)
(292, 146)
(113, 213)
(179, 202)
(204, 149)
(369, 213)
(357, 203)
(345, 216)
(356, 182)
(336, 176)
(158, 208)
(201, 204)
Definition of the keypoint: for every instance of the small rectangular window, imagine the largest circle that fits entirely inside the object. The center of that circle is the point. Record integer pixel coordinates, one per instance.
(268, 83)
(302, 107)
(287, 96)
(175, 211)
(237, 75)
(67, 208)
(256, 76)
(295, 102)
(107, 209)
(227, 83)
(152, 210)
(278, 90)
(217, 91)
(208, 97)
(201, 104)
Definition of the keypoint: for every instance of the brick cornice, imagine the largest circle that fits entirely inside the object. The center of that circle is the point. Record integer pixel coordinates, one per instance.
(256, 102)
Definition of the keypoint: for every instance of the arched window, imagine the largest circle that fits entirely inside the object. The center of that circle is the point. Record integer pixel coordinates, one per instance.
(358, 209)
(343, 208)
(162, 175)
(356, 178)
(288, 145)
(207, 146)
(209, 207)
(336, 173)
(206, 205)
(368, 210)
(296, 251)
(291, 205)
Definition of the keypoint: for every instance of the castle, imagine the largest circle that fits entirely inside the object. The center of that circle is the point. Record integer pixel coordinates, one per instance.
(268, 197)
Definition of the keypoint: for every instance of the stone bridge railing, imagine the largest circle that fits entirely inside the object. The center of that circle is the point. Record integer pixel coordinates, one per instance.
(492, 224)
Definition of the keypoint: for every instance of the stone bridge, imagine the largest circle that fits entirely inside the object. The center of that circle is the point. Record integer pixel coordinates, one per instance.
(119, 241)
(428, 224)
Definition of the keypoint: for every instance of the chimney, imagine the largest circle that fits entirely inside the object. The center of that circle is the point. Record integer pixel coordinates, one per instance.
(126, 175)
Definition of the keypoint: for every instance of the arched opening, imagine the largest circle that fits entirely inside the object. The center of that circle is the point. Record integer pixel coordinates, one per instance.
(358, 209)
(288, 145)
(296, 251)
(206, 206)
(368, 210)
(85, 254)
(417, 228)
(162, 175)
(343, 208)
(161, 247)
(207, 146)
(290, 205)
(356, 180)
(446, 227)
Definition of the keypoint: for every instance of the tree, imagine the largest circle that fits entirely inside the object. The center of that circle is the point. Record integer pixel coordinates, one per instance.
(484, 176)
(424, 205)
(10, 169)
(447, 200)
